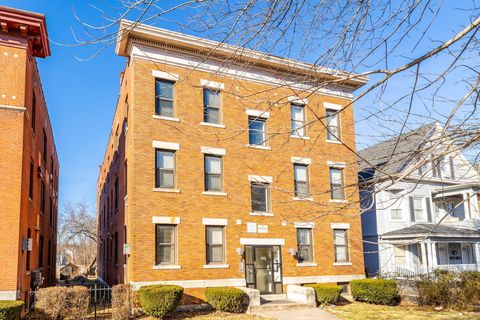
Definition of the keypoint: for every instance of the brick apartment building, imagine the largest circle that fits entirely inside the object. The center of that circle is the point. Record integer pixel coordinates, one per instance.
(216, 173)
(28, 161)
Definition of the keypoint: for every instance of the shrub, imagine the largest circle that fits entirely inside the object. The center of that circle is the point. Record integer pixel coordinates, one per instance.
(225, 298)
(326, 293)
(10, 310)
(63, 302)
(450, 290)
(377, 291)
(159, 300)
(51, 302)
(122, 302)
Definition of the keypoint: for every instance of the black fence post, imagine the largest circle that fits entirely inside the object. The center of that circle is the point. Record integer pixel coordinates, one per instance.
(95, 300)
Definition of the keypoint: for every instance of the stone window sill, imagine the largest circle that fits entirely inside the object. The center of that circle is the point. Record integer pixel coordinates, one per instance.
(215, 125)
(299, 137)
(307, 264)
(167, 267)
(302, 199)
(342, 264)
(215, 193)
(338, 201)
(264, 214)
(334, 141)
(216, 266)
(256, 146)
(166, 190)
(165, 118)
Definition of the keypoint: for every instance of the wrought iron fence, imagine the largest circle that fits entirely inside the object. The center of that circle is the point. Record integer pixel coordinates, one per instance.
(100, 305)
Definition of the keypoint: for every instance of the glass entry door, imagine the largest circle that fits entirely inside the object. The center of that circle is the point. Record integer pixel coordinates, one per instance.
(263, 268)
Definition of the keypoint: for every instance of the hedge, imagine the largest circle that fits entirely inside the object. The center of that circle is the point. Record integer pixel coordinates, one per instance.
(326, 293)
(377, 291)
(225, 298)
(63, 302)
(159, 300)
(10, 310)
(450, 290)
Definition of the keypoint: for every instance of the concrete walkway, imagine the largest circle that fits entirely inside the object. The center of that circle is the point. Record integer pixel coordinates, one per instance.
(297, 314)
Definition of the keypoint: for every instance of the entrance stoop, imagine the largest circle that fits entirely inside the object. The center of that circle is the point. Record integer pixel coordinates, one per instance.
(277, 302)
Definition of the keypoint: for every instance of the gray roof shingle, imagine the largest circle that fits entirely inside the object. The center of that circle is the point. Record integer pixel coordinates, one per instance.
(441, 230)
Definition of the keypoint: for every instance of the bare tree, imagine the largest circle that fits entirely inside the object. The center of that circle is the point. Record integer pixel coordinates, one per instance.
(78, 233)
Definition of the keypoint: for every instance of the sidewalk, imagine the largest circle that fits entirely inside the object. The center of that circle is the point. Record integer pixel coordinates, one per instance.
(297, 314)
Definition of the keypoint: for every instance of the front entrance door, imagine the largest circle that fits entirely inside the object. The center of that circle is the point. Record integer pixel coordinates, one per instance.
(264, 268)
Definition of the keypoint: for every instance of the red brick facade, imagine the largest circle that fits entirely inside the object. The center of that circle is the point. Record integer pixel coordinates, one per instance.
(130, 204)
(28, 161)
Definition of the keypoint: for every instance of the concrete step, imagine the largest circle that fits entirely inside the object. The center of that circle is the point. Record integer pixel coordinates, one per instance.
(277, 305)
(273, 297)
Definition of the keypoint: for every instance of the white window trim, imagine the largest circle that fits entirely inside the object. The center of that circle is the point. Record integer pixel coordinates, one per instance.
(304, 225)
(258, 113)
(301, 160)
(335, 164)
(332, 106)
(212, 84)
(342, 263)
(296, 99)
(340, 225)
(214, 222)
(213, 151)
(165, 75)
(334, 141)
(216, 125)
(165, 145)
(260, 179)
(165, 220)
(263, 241)
(302, 199)
(156, 116)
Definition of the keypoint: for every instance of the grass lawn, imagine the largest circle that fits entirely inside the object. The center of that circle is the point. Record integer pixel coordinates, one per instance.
(365, 311)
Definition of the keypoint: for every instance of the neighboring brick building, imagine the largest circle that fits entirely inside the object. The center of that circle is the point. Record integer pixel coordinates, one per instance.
(190, 137)
(28, 161)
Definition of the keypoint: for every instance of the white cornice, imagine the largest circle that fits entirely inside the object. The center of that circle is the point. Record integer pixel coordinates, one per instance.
(251, 74)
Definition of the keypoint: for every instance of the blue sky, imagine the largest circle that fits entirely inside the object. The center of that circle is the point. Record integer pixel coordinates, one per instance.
(81, 96)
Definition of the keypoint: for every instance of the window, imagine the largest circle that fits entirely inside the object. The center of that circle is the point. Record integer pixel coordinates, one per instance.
(260, 197)
(396, 214)
(211, 106)
(42, 198)
(418, 209)
(215, 244)
(30, 186)
(297, 119)
(257, 134)
(164, 98)
(165, 169)
(336, 184)
(304, 245)
(400, 255)
(34, 111)
(340, 240)
(44, 154)
(300, 173)
(40, 252)
(116, 193)
(213, 173)
(165, 237)
(115, 248)
(333, 130)
(126, 177)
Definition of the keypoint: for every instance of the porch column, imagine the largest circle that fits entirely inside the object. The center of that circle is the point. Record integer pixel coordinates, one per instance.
(423, 247)
(467, 203)
(474, 206)
(434, 255)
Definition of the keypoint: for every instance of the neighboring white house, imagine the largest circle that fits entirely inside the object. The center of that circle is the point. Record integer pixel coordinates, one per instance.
(420, 206)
